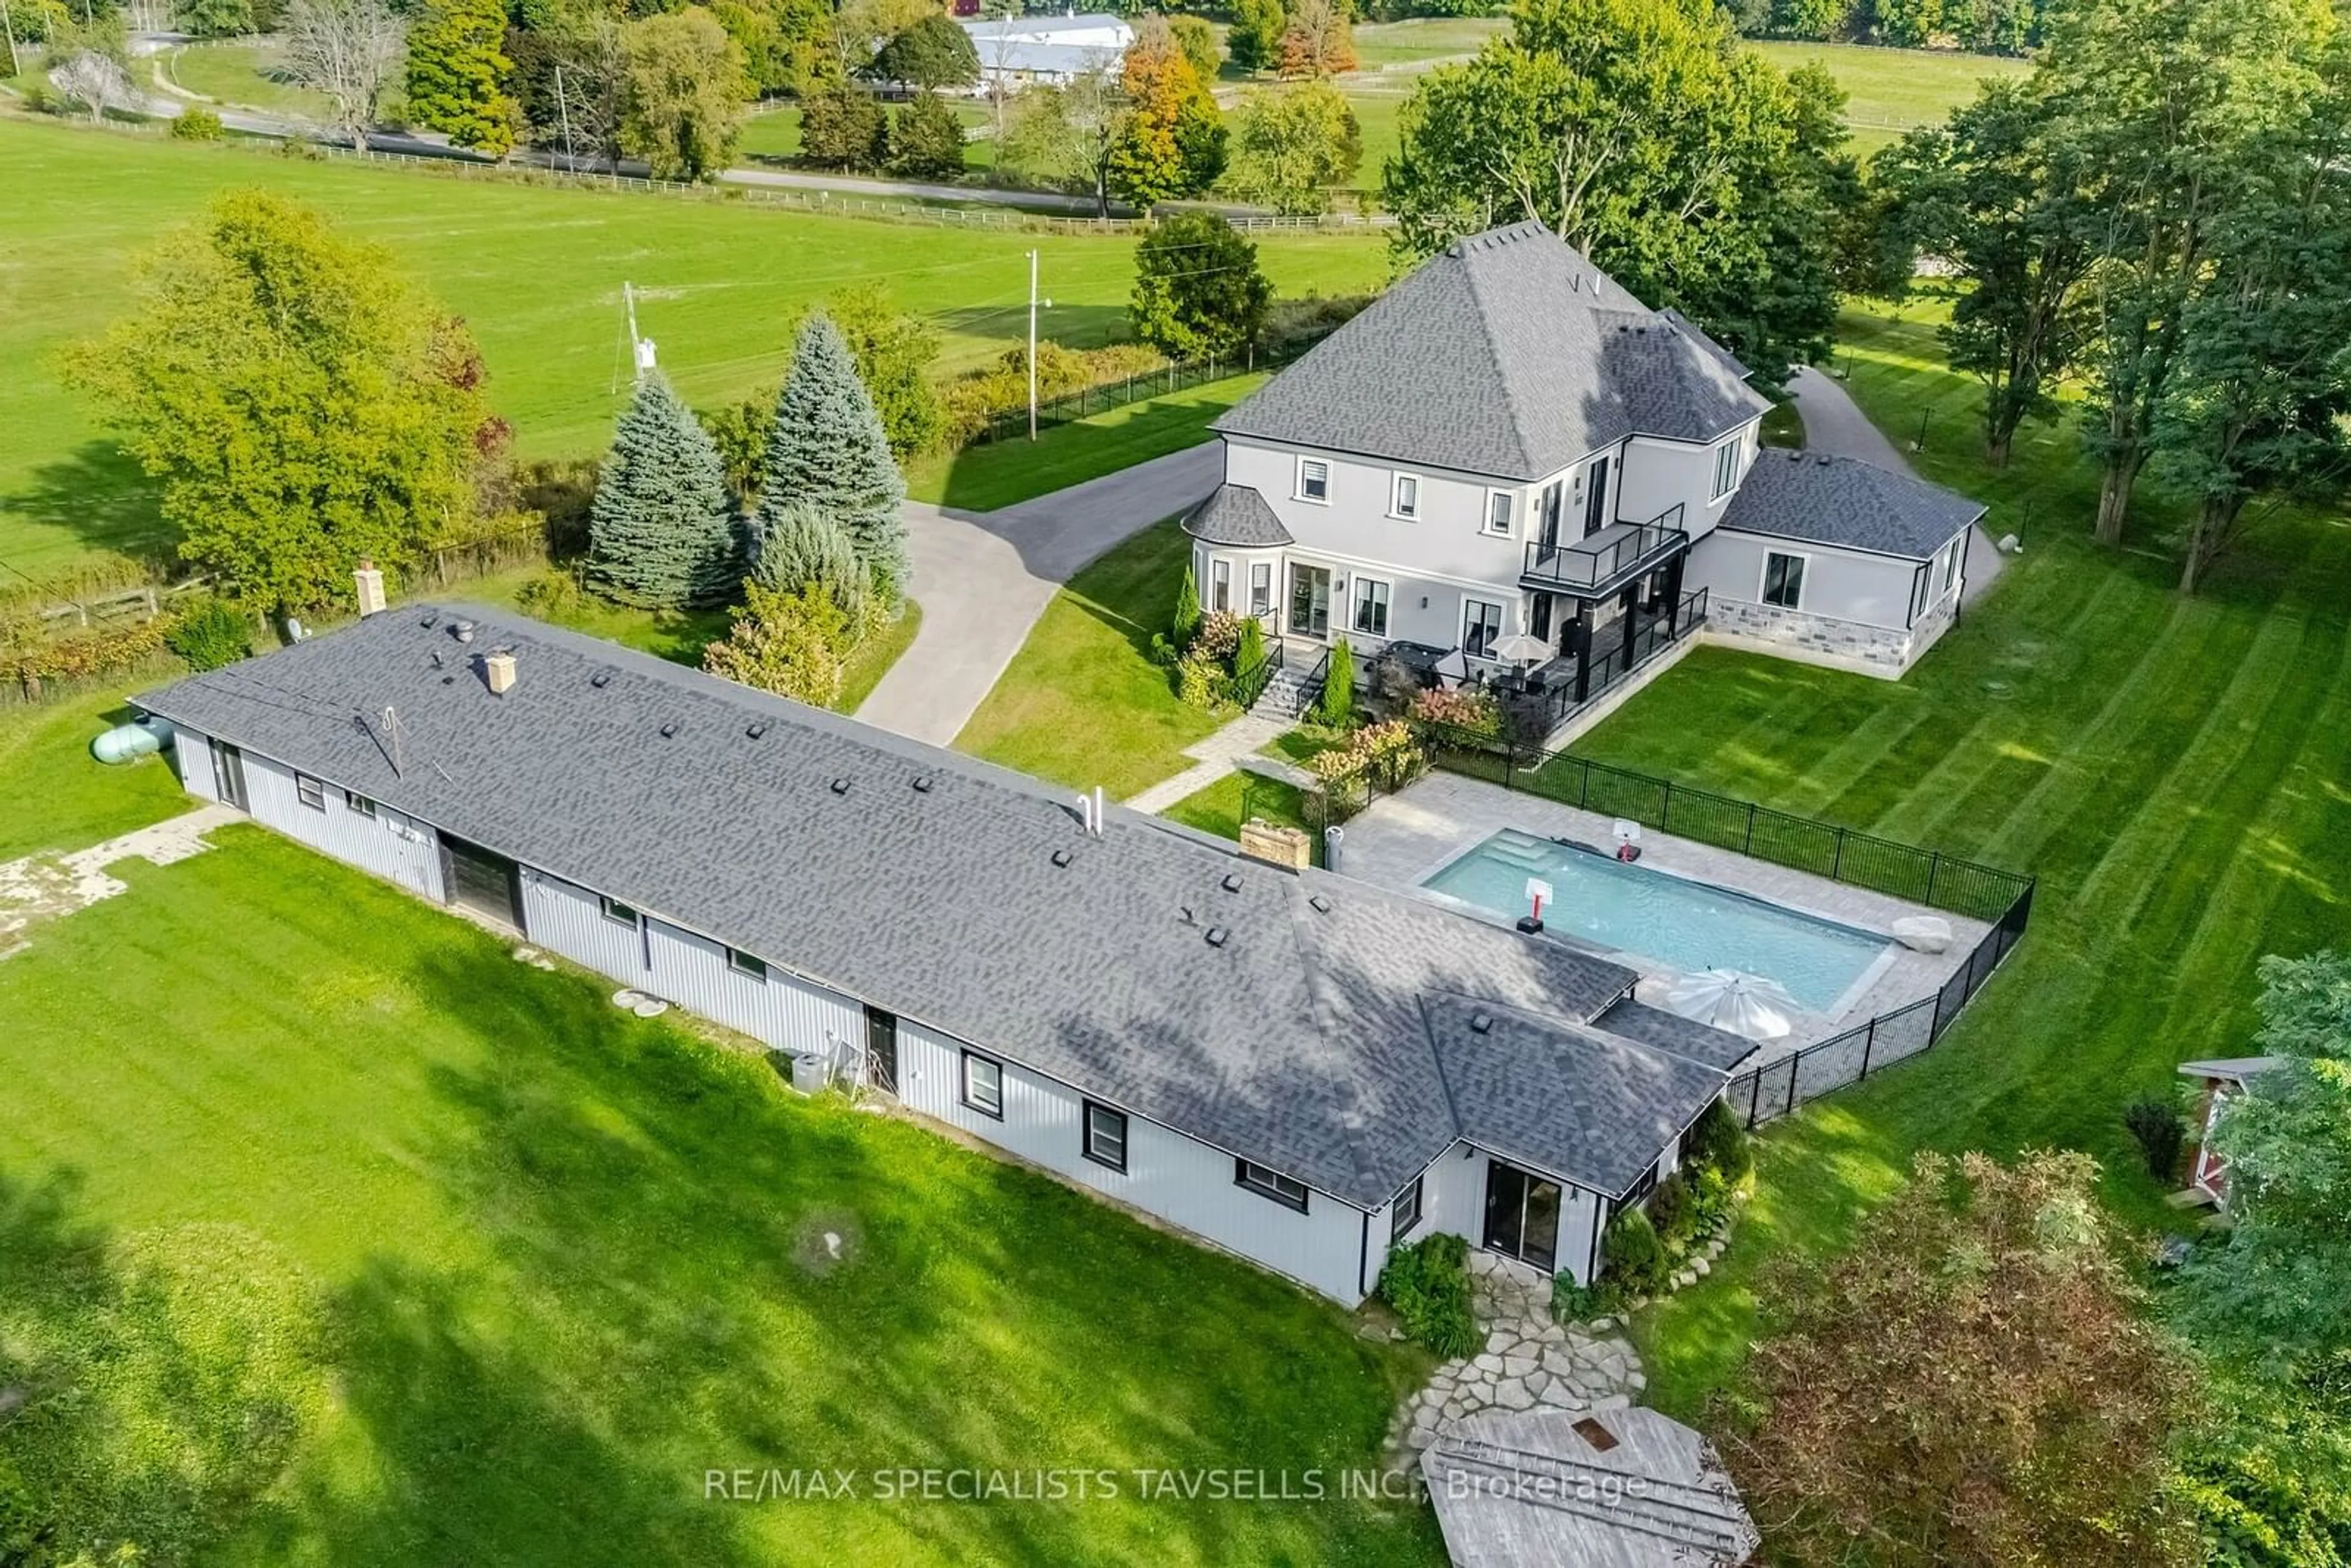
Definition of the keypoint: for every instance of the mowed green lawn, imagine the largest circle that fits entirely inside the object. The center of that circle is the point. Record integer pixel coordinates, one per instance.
(248, 72)
(2173, 772)
(1081, 703)
(536, 272)
(571, 1261)
(1887, 92)
(55, 796)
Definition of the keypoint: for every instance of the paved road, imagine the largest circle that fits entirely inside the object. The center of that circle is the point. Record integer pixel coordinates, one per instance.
(984, 577)
(1833, 423)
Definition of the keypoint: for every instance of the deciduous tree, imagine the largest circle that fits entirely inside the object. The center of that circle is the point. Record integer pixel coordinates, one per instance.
(826, 449)
(457, 72)
(570, 78)
(1644, 134)
(926, 139)
(1065, 135)
(1197, 39)
(681, 102)
(662, 527)
(791, 641)
(1291, 147)
(1169, 142)
(842, 127)
(93, 63)
(1995, 192)
(301, 404)
(1317, 40)
(1974, 1382)
(1254, 41)
(1198, 290)
(930, 53)
(348, 50)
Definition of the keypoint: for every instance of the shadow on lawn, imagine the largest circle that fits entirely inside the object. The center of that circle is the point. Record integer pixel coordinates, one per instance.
(100, 496)
(655, 1206)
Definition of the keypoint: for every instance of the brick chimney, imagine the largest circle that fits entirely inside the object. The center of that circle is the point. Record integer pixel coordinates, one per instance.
(498, 671)
(370, 587)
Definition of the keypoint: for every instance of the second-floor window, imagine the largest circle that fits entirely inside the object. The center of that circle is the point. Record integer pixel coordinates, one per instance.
(1499, 504)
(1725, 468)
(1406, 502)
(1371, 607)
(1313, 479)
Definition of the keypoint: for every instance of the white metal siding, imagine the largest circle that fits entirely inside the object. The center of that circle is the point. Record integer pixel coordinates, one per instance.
(1178, 1179)
(191, 758)
(788, 1013)
(567, 919)
(388, 844)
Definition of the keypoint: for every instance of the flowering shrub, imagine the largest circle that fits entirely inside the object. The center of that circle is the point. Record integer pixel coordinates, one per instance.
(1218, 637)
(1386, 753)
(1470, 708)
(1201, 682)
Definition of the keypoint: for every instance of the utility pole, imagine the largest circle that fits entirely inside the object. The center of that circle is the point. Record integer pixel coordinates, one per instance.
(1032, 345)
(563, 110)
(640, 352)
(9, 24)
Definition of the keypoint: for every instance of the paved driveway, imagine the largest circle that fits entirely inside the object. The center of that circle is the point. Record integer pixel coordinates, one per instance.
(1834, 423)
(983, 578)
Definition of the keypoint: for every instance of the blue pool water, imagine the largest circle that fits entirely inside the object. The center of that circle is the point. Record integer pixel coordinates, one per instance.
(1676, 923)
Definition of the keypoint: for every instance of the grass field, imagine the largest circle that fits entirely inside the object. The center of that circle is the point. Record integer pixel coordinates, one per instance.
(1081, 703)
(570, 1261)
(2171, 770)
(1888, 91)
(57, 796)
(251, 73)
(536, 272)
(999, 473)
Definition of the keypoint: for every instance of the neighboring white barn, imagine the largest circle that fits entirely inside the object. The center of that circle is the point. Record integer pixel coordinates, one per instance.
(1015, 51)
(1299, 1067)
(1506, 444)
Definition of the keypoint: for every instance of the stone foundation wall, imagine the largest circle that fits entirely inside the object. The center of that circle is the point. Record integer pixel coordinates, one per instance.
(1877, 650)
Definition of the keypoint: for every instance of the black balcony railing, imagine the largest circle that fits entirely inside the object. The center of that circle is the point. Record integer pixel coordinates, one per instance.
(1540, 709)
(1601, 561)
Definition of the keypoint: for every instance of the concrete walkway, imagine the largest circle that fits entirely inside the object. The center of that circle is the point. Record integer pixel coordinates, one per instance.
(1215, 756)
(1834, 423)
(983, 578)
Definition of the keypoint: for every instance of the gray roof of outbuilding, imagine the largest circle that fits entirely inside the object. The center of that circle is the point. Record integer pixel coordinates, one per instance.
(1563, 1097)
(1833, 501)
(1298, 1042)
(1236, 515)
(1508, 355)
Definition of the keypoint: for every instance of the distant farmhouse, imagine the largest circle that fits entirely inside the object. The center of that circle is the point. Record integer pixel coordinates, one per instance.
(1304, 1069)
(1015, 51)
(1507, 444)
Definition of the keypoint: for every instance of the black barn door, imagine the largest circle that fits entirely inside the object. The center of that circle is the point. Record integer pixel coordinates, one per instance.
(882, 1049)
(488, 885)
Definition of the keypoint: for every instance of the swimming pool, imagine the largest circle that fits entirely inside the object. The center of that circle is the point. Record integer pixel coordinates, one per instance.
(1670, 920)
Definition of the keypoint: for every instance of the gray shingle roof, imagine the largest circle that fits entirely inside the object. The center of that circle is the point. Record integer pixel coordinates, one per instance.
(1671, 1031)
(1508, 355)
(1563, 1097)
(1236, 515)
(1298, 1042)
(1845, 501)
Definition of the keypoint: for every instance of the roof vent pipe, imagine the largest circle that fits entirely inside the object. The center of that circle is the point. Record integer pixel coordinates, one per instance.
(1099, 809)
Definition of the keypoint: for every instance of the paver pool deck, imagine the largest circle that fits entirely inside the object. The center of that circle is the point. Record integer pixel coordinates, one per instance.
(1402, 840)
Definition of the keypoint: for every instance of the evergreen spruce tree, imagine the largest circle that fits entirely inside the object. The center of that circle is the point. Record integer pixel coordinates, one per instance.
(660, 530)
(827, 449)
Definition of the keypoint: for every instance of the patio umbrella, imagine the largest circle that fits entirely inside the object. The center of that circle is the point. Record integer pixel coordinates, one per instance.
(1522, 648)
(1751, 1005)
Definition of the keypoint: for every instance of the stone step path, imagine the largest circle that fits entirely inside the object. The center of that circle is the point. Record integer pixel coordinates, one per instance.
(1213, 756)
(1528, 1359)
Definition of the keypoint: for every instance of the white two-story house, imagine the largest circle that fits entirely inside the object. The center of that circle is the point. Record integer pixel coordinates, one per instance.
(1508, 444)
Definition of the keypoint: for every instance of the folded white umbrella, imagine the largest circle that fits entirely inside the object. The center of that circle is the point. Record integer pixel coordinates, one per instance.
(1751, 1005)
